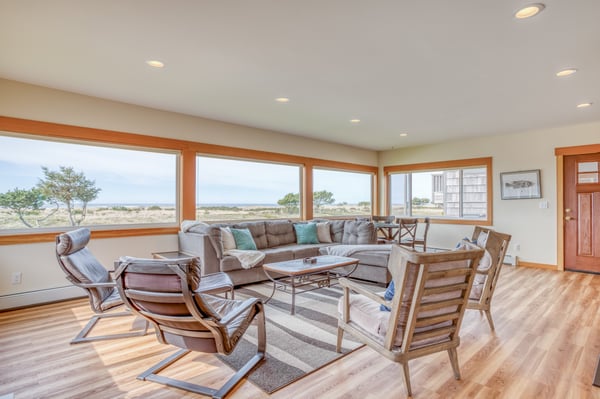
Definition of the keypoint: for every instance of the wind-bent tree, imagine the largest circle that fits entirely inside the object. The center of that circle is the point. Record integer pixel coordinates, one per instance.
(323, 197)
(26, 202)
(70, 188)
(290, 202)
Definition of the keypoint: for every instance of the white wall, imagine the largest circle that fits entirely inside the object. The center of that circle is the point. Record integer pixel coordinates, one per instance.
(531, 227)
(42, 278)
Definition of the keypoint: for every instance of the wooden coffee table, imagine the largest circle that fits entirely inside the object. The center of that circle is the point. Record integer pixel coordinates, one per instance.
(298, 273)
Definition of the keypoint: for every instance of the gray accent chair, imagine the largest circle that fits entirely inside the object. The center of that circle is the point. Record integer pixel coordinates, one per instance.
(168, 293)
(84, 271)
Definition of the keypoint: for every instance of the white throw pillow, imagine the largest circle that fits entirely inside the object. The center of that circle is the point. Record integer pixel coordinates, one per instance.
(324, 232)
(227, 239)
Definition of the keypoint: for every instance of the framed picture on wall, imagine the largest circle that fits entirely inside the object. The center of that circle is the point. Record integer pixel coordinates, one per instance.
(520, 185)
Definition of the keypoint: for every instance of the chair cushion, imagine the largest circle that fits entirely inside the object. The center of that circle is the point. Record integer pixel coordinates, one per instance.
(485, 263)
(111, 301)
(72, 241)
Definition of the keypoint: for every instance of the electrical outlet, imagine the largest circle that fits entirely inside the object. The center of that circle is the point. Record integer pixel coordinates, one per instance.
(16, 278)
(517, 247)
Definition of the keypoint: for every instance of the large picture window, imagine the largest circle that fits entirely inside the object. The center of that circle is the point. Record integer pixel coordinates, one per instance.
(233, 189)
(452, 190)
(48, 184)
(341, 194)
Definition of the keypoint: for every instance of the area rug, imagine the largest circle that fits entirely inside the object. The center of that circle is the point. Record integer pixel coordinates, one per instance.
(296, 345)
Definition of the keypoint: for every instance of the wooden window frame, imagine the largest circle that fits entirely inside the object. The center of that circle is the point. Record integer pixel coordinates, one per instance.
(188, 151)
(441, 165)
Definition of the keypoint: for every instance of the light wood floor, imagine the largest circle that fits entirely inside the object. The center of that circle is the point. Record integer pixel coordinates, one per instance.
(546, 345)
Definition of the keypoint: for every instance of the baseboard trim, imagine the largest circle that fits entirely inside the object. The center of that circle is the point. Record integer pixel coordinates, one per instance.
(520, 263)
(39, 297)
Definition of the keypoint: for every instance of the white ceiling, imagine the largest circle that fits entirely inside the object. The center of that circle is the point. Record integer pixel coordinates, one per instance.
(437, 69)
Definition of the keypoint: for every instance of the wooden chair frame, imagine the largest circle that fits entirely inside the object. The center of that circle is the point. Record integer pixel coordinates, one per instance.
(497, 245)
(430, 280)
(212, 328)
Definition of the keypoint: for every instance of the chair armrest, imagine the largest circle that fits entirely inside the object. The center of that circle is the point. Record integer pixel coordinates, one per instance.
(239, 310)
(344, 282)
(96, 285)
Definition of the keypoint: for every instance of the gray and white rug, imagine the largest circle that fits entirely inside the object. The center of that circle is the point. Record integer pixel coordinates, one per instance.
(296, 345)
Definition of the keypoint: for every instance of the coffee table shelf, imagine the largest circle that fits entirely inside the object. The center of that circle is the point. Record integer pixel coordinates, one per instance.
(297, 273)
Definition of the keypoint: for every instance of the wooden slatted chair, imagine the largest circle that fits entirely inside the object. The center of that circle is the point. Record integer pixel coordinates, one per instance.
(426, 308)
(496, 245)
(168, 293)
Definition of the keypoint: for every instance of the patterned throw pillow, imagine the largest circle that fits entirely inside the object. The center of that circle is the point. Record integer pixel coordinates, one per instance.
(306, 233)
(243, 239)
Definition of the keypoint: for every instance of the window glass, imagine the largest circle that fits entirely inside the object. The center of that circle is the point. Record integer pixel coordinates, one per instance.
(399, 194)
(47, 184)
(587, 172)
(340, 193)
(459, 193)
(233, 189)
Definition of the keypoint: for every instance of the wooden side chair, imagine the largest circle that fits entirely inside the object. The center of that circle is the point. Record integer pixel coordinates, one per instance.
(425, 309)
(83, 270)
(169, 293)
(422, 239)
(496, 245)
(407, 231)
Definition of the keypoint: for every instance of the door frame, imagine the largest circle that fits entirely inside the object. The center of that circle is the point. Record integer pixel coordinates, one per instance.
(560, 153)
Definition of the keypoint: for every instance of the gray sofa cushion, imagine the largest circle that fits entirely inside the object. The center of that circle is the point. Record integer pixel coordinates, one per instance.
(359, 232)
(337, 230)
(280, 232)
(258, 231)
(375, 258)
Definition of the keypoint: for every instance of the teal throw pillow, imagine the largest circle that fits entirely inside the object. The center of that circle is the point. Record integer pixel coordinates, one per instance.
(243, 239)
(306, 233)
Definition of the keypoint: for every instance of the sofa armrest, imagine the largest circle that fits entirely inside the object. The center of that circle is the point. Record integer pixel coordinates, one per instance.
(200, 245)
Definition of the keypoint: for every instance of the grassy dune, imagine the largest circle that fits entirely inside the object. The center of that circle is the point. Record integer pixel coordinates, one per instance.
(156, 214)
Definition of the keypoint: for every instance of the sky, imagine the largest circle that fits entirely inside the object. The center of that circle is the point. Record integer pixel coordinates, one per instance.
(132, 176)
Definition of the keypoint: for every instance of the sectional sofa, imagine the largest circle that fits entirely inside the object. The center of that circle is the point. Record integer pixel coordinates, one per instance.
(278, 241)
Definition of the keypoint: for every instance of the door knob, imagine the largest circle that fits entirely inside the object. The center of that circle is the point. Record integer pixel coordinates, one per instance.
(569, 218)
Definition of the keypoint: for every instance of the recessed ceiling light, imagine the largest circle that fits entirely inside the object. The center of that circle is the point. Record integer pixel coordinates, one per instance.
(282, 100)
(584, 105)
(355, 120)
(566, 72)
(529, 11)
(155, 64)
(403, 134)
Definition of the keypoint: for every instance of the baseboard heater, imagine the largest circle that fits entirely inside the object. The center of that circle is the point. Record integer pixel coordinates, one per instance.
(31, 298)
